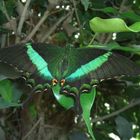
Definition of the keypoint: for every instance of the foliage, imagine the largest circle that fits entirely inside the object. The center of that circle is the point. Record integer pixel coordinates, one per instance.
(71, 22)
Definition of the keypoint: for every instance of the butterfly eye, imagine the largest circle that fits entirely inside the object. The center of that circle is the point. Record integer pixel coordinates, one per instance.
(54, 82)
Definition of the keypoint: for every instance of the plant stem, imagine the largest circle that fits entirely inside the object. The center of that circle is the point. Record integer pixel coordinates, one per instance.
(22, 19)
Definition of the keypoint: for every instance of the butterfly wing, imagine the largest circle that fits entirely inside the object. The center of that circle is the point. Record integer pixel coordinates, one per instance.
(36, 59)
(91, 63)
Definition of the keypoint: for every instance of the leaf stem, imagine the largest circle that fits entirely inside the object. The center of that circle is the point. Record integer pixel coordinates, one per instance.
(93, 38)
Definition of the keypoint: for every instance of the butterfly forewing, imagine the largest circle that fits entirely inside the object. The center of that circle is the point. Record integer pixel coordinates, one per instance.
(45, 61)
(101, 64)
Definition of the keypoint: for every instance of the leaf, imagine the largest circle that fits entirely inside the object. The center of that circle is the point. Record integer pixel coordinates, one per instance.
(131, 15)
(6, 90)
(65, 101)
(109, 10)
(6, 104)
(10, 95)
(99, 25)
(32, 110)
(86, 101)
(85, 3)
(124, 128)
(115, 46)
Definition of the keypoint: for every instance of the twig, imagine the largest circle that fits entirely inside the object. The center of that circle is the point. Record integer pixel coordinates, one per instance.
(122, 5)
(93, 38)
(53, 28)
(41, 132)
(108, 38)
(41, 21)
(3, 40)
(5, 11)
(52, 127)
(132, 104)
(76, 13)
(32, 129)
(22, 19)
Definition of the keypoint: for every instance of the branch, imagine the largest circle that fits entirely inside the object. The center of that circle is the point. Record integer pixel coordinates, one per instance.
(41, 21)
(132, 104)
(41, 131)
(76, 13)
(22, 19)
(122, 5)
(5, 11)
(53, 28)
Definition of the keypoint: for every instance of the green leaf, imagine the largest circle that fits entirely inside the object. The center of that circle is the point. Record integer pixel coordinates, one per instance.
(6, 90)
(10, 95)
(99, 25)
(85, 3)
(131, 15)
(109, 10)
(124, 128)
(115, 46)
(32, 110)
(86, 101)
(6, 104)
(65, 101)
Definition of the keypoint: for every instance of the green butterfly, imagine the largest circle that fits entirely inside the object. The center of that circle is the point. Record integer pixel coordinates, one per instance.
(70, 72)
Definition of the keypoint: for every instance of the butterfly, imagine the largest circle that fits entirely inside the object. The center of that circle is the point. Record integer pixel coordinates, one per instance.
(67, 71)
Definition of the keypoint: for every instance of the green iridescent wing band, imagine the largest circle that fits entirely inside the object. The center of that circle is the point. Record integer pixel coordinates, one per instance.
(89, 67)
(98, 64)
(39, 62)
